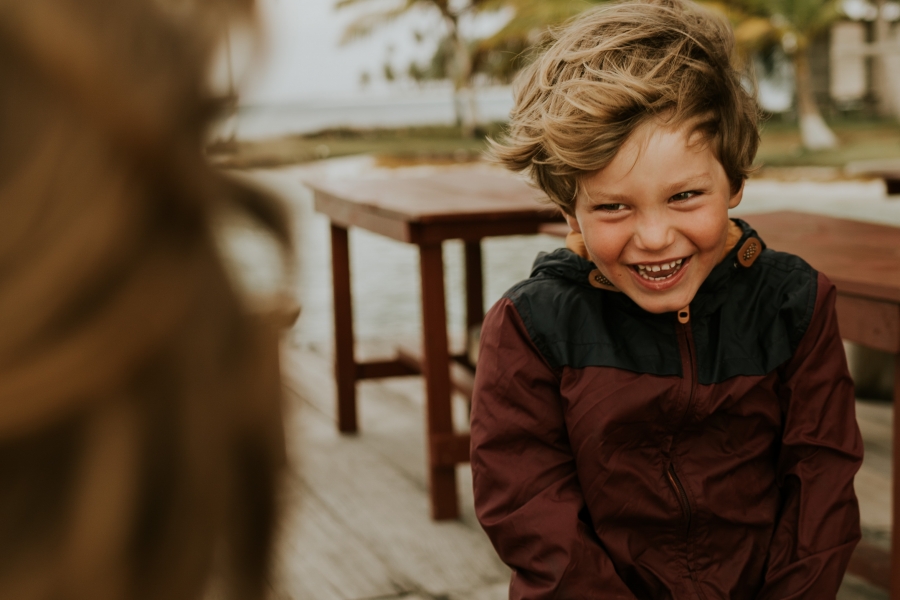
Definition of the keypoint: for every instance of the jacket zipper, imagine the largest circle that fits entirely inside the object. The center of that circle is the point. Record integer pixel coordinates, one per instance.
(684, 320)
(682, 496)
(688, 366)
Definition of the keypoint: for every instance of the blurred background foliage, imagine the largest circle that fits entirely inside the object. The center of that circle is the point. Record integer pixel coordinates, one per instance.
(495, 58)
(771, 35)
(762, 27)
(861, 140)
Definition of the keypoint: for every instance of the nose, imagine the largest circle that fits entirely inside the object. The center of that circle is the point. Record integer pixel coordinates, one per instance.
(653, 233)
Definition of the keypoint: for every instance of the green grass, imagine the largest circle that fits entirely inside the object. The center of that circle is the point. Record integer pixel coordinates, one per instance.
(859, 140)
(408, 145)
(780, 147)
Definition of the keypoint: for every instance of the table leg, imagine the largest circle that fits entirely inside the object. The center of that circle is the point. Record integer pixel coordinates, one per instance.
(436, 369)
(344, 363)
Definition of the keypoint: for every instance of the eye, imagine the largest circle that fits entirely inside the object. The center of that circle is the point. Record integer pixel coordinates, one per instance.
(610, 207)
(681, 196)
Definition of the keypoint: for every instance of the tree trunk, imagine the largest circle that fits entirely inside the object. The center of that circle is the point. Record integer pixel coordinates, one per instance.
(463, 93)
(814, 131)
(883, 78)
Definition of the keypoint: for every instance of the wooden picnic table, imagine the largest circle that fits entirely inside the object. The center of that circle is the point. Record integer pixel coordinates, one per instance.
(863, 262)
(467, 203)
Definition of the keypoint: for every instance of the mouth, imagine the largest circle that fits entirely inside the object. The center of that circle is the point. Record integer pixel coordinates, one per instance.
(662, 275)
(658, 271)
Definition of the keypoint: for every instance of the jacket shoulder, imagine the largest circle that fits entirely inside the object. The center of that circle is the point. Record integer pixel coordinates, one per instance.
(547, 303)
(768, 309)
(576, 325)
(789, 286)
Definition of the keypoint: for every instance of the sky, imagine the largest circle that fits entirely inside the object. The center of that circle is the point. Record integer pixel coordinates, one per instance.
(301, 57)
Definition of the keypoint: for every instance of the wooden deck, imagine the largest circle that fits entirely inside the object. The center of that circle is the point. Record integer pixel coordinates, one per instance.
(356, 522)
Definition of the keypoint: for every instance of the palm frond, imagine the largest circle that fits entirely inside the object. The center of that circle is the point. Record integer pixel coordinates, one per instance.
(533, 17)
(341, 4)
(753, 32)
(363, 25)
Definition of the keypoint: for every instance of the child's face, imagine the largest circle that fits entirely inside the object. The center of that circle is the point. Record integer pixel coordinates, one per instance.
(655, 219)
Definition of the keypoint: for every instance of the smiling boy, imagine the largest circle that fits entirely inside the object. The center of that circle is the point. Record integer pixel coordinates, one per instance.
(655, 219)
(663, 411)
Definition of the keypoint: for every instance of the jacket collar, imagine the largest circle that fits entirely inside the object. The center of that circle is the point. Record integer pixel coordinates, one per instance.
(713, 291)
(565, 264)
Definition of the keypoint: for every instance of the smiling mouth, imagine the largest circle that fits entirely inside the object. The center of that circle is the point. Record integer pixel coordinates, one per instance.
(660, 271)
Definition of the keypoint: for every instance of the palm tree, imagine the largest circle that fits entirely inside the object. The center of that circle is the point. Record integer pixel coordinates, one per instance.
(501, 55)
(451, 13)
(793, 24)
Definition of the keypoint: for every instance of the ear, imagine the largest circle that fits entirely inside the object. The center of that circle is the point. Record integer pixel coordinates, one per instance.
(573, 222)
(737, 197)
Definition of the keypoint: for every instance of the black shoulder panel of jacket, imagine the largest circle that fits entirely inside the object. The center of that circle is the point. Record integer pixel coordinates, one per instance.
(744, 320)
(576, 325)
(759, 323)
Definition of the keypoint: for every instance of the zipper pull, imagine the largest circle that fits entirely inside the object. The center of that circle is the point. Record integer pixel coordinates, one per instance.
(684, 315)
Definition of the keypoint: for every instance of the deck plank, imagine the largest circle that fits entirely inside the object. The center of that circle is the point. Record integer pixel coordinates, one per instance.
(873, 482)
(319, 557)
(373, 485)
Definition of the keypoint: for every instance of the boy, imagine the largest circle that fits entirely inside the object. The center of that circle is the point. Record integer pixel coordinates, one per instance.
(669, 415)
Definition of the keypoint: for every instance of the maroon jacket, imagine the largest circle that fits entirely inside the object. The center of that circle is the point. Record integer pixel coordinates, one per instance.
(621, 454)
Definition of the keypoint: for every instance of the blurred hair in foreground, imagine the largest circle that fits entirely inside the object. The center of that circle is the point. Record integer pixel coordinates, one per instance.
(140, 423)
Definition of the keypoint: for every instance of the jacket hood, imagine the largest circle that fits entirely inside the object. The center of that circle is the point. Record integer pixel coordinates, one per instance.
(562, 263)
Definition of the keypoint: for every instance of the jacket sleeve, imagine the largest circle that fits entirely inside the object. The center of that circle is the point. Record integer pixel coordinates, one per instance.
(820, 453)
(527, 494)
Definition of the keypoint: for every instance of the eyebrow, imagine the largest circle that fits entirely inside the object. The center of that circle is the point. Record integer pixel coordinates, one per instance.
(599, 196)
(698, 180)
(690, 182)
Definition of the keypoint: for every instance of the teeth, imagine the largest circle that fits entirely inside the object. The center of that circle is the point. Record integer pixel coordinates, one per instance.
(657, 268)
(645, 276)
(643, 270)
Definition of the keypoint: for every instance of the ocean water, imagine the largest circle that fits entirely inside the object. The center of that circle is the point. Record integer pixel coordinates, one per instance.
(431, 105)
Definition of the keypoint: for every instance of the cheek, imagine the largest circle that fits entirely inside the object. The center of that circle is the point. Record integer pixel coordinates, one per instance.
(606, 244)
(708, 232)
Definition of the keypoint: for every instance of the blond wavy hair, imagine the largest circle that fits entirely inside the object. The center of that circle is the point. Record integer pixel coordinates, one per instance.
(616, 67)
(140, 419)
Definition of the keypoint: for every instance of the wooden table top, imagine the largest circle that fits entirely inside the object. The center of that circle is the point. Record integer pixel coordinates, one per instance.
(455, 196)
(862, 259)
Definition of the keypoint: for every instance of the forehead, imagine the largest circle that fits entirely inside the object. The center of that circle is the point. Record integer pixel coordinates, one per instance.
(658, 155)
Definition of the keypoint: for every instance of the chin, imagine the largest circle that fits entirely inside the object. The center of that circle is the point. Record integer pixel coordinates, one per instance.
(657, 308)
(661, 305)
